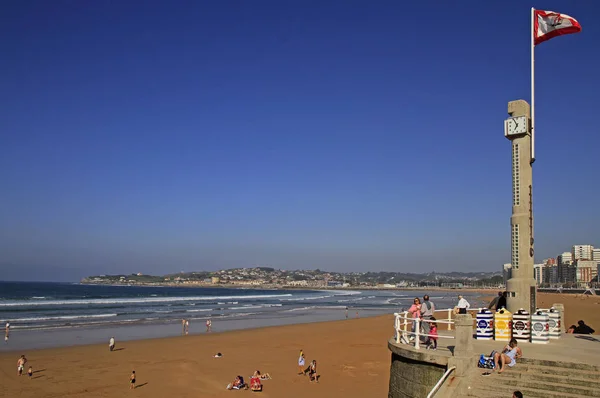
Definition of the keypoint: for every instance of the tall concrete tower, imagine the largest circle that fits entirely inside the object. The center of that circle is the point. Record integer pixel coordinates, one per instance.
(521, 285)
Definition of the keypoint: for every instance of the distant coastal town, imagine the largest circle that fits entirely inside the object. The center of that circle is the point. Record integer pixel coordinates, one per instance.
(267, 277)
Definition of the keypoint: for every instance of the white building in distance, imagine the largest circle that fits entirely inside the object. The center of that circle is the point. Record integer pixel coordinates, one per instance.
(582, 252)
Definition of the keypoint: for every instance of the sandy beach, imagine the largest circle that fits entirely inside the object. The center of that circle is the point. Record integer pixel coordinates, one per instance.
(352, 356)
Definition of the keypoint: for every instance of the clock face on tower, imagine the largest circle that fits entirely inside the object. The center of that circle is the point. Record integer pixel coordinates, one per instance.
(516, 126)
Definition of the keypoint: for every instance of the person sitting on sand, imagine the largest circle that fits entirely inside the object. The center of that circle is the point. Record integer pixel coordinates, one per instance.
(582, 328)
(508, 356)
(237, 384)
(312, 371)
(30, 371)
(218, 355)
(265, 376)
(255, 384)
(132, 380)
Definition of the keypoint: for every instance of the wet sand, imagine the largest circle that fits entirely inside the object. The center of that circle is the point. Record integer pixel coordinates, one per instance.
(352, 356)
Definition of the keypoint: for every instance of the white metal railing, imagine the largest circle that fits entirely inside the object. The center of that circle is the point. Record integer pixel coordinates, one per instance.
(440, 382)
(402, 320)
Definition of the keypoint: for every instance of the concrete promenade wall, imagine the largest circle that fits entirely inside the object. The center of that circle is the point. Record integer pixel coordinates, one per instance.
(414, 374)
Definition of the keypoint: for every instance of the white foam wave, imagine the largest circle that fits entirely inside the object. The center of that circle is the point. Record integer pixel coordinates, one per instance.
(204, 310)
(137, 300)
(60, 318)
(301, 309)
(305, 298)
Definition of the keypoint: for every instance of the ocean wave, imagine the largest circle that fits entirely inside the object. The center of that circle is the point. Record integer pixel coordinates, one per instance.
(60, 318)
(301, 309)
(245, 307)
(204, 310)
(305, 298)
(138, 300)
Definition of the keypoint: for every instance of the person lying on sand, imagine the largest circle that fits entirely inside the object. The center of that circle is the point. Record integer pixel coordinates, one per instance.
(508, 356)
(265, 376)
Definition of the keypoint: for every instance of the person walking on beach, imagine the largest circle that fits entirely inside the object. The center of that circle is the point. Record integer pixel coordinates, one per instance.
(427, 310)
(301, 363)
(183, 326)
(208, 325)
(132, 380)
(187, 327)
(21, 365)
(111, 344)
(6, 332)
(346, 312)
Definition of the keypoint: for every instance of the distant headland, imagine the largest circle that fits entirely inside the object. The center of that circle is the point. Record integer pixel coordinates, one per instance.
(268, 278)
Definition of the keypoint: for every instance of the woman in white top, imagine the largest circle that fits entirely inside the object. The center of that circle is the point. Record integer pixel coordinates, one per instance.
(462, 306)
(508, 356)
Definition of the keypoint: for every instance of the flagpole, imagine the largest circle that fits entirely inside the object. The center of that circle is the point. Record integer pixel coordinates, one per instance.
(532, 85)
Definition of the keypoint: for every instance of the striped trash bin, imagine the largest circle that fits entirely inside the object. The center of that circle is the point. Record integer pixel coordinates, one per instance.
(502, 325)
(539, 328)
(554, 330)
(485, 324)
(521, 326)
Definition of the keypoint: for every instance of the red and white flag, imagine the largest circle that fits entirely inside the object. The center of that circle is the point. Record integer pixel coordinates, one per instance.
(549, 24)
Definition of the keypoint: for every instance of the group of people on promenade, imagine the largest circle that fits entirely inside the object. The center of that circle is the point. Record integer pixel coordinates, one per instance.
(424, 312)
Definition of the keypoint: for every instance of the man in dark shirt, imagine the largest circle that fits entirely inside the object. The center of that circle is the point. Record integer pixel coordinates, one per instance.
(583, 329)
(494, 303)
(502, 301)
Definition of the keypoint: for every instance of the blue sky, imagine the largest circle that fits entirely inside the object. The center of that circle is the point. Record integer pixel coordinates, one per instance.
(341, 135)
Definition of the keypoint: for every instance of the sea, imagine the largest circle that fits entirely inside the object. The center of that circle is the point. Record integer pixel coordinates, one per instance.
(44, 315)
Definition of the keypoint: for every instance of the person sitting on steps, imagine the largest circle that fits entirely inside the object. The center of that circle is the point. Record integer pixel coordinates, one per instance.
(508, 356)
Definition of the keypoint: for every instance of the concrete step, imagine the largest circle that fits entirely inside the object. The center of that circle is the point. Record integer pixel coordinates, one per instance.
(502, 391)
(553, 370)
(585, 391)
(559, 364)
(556, 375)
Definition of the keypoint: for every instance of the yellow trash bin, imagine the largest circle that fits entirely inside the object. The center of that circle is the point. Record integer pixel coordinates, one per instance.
(502, 325)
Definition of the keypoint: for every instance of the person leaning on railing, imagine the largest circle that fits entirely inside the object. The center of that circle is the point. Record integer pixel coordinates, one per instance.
(415, 311)
(427, 310)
